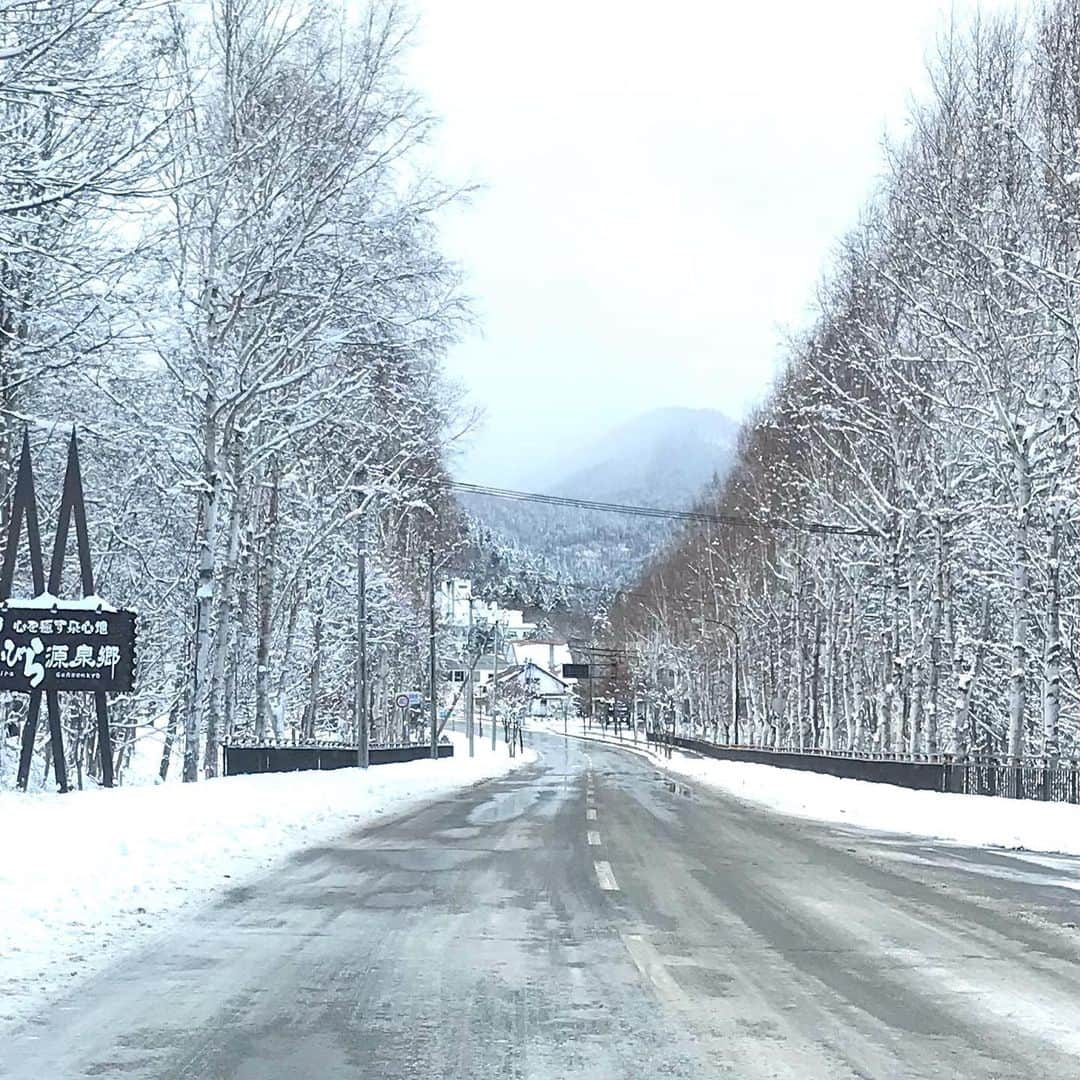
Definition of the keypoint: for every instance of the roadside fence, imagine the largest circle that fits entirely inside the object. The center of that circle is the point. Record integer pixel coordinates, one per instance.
(1031, 779)
(245, 758)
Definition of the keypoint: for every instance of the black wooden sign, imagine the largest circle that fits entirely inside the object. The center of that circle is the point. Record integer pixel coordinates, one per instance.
(575, 671)
(75, 645)
(66, 647)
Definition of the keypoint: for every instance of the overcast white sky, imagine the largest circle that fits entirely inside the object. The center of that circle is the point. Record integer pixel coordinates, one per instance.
(664, 183)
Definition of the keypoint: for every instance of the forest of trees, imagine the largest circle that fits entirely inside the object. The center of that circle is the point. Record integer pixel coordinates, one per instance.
(218, 260)
(550, 557)
(934, 410)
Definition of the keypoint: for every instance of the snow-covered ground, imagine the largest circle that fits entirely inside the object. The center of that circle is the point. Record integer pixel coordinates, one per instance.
(977, 820)
(85, 874)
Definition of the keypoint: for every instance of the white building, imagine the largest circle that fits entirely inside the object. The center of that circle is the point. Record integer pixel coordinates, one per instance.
(452, 602)
(452, 610)
(512, 624)
(534, 664)
(547, 694)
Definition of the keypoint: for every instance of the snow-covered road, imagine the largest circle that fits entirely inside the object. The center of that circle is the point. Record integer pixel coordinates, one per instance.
(85, 875)
(590, 917)
(975, 820)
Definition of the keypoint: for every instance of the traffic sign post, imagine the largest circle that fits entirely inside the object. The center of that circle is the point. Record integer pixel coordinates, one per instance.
(621, 713)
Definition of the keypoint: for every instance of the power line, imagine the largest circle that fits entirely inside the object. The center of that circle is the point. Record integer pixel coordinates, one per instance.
(697, 516)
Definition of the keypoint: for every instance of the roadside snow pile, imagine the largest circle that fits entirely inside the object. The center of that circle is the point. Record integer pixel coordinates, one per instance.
(85, 873)
(976, 820)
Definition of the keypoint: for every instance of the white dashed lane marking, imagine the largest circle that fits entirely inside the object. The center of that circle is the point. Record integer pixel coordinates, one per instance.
(651, 965)
(605, 876)
(590, 814)
(594, 837)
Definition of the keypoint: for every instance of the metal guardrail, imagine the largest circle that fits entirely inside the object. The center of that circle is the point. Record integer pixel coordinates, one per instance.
(1035, 779)
(1030, 780)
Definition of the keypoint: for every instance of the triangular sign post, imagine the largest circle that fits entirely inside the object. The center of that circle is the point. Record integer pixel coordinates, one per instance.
(72, 506)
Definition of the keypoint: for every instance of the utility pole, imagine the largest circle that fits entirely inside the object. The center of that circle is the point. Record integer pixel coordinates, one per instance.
(469, 683)
(361, 650)
(431, 658)
(592, 665)
(493, 697)
(738, 708)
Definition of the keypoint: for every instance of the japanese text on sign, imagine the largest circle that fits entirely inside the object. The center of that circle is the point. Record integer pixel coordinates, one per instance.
(66, 649)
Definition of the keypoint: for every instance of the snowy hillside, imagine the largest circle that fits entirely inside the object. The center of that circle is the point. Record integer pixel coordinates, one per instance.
(666, 457)
(661, 458)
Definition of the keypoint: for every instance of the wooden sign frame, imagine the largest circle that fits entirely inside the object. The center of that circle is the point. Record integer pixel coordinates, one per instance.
(72, 507)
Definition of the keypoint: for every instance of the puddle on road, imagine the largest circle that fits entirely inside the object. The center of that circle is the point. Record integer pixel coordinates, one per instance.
(678, 789)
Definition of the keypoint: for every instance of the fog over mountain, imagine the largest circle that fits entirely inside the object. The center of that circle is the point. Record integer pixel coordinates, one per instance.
(664, 458)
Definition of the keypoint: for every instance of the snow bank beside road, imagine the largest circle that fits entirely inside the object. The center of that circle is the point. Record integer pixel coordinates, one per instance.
(975, 820)
(85, 873)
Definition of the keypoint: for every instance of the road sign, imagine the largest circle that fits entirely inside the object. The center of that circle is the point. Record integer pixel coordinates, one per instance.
(409, 698)
(621, 708)
(575, 671)
(66, 647)
(457, 675)
(402, 701)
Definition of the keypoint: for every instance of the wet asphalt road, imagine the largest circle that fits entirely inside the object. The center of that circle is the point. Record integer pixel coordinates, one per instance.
(586, 917)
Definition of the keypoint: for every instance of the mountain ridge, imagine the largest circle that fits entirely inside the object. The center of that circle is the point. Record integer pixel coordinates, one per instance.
(662, 457)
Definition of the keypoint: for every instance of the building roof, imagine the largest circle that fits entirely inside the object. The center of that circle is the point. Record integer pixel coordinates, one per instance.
(518, 668)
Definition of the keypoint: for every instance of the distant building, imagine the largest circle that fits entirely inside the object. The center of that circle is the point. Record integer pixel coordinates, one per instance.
(452, 610)
(547, 694)
(452, 602)
(513, 625)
